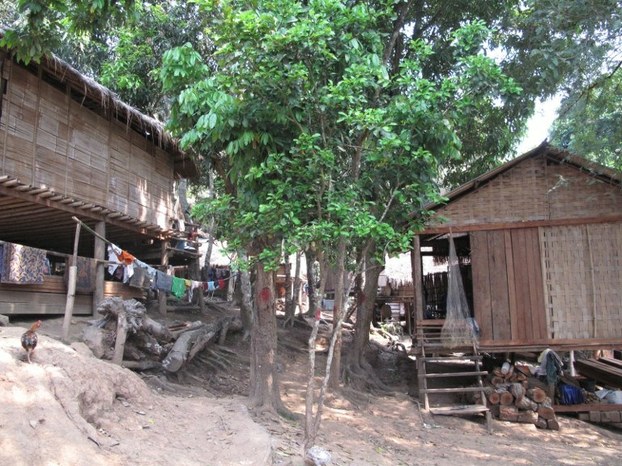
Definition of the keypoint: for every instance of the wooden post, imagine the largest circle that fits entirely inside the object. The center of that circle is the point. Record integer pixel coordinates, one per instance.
(417, 273)
(164, 262)
(71, 286)
(119, 344)
(100, 255)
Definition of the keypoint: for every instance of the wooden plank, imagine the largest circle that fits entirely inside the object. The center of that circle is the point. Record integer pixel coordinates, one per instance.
(513, 299)
(498, 286)
(442, 375)
(612, 362)
(453, 390)
(30, 302)
(526, 224)
(536, 289)
(521, 276)
(481, 283)
(457, 410)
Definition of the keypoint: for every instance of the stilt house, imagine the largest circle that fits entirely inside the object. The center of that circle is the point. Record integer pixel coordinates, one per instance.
(70, 148)
(539, 241)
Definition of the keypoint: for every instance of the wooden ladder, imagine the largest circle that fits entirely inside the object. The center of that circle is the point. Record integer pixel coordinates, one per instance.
(428, 344)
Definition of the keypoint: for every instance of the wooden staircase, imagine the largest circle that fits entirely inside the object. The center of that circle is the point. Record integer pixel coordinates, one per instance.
(428, 354)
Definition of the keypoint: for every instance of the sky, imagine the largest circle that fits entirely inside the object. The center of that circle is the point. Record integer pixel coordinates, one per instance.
(539, 124)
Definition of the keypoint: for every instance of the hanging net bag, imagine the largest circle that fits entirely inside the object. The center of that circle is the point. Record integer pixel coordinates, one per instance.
(460, 329)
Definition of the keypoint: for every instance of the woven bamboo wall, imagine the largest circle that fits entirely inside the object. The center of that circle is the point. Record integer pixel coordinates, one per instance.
(534, 190)
(583, 280)
(49, 139)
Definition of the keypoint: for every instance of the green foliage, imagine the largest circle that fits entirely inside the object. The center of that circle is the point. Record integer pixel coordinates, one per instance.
(591, 123)
(43, 25)
(322, 139)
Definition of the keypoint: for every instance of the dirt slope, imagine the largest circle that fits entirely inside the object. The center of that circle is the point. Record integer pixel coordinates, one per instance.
(68, 408)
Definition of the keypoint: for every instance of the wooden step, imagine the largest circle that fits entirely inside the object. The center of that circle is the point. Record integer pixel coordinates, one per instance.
(452, 358)
(452, 390)
(459, 409)
(455, 374)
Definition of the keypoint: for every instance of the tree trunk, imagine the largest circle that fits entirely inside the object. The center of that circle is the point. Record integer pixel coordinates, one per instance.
(313, 281)
(246, 303)
(338, 310)
(293, 301)
(365, 310)
(264, 380)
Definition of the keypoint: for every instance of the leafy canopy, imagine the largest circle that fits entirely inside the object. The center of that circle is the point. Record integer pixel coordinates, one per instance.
(319, 135)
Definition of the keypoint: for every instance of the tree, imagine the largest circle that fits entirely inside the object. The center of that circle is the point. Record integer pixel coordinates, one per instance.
(590, 123)
(319, 141)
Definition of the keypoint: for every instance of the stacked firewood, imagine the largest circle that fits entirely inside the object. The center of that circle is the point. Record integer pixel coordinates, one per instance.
(516, 396)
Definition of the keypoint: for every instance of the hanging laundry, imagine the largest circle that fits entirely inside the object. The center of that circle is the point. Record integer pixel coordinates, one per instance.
(85, 274)
(113, 256)
(128, 261)
(221, 284)
(140, 278)
(23, 265)
(163, 282)
(179, 287)
(146, 277)
(126, 258)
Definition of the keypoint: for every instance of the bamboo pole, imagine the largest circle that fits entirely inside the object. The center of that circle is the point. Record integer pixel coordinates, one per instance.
(71, 287)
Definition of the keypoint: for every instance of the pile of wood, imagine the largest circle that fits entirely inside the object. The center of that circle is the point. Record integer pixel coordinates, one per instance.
(127, 336)
(516, 396)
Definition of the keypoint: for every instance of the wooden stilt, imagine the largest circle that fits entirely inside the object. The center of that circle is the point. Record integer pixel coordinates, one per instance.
(164, 262)
(100, 255)
(71, 287)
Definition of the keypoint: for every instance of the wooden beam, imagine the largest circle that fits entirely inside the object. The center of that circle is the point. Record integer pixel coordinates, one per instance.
(55, 202)
(527, 224)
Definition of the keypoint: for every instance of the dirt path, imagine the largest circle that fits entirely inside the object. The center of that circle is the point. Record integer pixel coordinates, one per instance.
(68, 408)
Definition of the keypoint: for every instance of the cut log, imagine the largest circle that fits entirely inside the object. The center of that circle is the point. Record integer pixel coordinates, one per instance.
(541, 423)
(518, 391)
(527, 417)
(506, 399)
(546, 412)
(190, 343)
(526, 404)
(508, 413)
(494, 398)
(496, 381)
(552, 424)
(536, 394)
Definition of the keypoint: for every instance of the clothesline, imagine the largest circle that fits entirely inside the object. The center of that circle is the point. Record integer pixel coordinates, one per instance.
(142, 275)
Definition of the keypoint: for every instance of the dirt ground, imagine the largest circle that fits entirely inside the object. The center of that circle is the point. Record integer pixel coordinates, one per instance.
(69, 408)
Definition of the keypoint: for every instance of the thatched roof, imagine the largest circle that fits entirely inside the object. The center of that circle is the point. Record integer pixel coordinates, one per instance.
(103, 101)
(561, 156)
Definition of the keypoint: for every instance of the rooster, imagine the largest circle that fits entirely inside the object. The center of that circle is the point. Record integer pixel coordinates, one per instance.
(30, 338)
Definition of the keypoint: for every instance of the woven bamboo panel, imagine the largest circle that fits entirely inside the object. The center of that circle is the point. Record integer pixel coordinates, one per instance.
(575, 194)
(51, 139)
(582, 280)
(516, 195)
(535, 189)
(605, 242)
